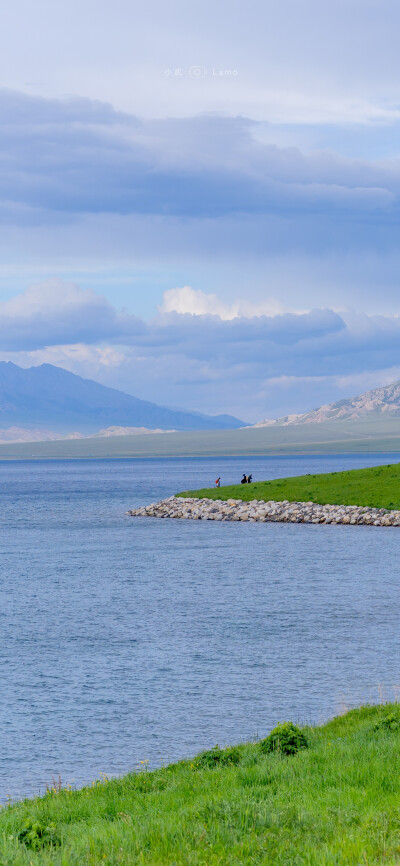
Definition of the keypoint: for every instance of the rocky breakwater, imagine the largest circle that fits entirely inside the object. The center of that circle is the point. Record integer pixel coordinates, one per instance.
(258, 510)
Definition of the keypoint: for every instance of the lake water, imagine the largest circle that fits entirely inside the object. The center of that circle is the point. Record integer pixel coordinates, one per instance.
(125, 639)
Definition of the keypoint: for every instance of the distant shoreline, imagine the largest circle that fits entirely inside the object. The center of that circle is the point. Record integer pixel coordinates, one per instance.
(68, 458)
(330, 438)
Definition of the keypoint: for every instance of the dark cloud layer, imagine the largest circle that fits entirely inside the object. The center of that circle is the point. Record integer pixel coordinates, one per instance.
(78, 156)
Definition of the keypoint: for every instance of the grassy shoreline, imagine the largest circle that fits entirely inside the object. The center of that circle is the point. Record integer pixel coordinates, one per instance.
(335, 802)
(376, 487)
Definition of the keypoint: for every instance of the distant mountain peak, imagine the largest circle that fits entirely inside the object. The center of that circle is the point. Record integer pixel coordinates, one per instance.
(384, 400)
(50, 398)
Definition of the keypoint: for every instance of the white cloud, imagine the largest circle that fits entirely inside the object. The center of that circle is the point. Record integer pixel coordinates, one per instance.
(88, 356)
(367, 380)
(54, 295)
(195, 302)
(56, 312)
(91, 362)
(290, 381)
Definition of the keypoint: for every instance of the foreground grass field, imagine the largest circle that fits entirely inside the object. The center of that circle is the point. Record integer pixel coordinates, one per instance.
(335, 802)
(378, 487)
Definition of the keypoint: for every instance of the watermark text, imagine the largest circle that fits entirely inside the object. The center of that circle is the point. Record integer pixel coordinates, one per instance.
(200, 72)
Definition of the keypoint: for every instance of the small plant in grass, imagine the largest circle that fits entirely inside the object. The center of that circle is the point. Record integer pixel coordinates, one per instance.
(36, 835)
(390, 722)
(286, 738)
(218, 757)
(56, 786)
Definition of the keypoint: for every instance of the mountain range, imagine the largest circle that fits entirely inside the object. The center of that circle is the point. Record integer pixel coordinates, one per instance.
(49, 401)
(380, 402)
(46, 402)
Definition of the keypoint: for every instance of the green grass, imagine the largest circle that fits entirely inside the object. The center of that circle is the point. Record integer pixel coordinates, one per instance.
(377, 487)
(336, 802)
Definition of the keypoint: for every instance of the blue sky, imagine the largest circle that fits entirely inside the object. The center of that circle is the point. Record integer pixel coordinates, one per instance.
(200, 205)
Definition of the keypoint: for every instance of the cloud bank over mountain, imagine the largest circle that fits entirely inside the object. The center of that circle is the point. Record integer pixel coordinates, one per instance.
(197, 348)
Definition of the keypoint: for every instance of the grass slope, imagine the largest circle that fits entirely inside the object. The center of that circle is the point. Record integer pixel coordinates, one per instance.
(336, 802)
(377, 487)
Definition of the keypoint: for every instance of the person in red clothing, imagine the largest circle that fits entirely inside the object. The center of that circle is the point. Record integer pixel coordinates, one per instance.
(218, 482)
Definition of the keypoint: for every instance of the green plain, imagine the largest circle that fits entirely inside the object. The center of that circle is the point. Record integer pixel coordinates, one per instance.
(377, 487)
(336, 803)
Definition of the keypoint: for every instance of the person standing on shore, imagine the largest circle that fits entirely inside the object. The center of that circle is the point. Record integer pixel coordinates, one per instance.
(218, 482)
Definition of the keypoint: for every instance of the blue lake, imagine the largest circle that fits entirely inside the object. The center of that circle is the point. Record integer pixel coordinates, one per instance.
(125, 639)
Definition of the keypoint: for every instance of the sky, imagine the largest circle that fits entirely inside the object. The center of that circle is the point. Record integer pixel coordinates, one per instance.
(199, 203)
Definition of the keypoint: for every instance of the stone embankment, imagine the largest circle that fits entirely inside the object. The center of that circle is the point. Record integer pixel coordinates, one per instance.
(256, 510)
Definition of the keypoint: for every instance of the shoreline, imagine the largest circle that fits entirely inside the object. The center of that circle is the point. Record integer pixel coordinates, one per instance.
(256, 510)
(323, 794)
